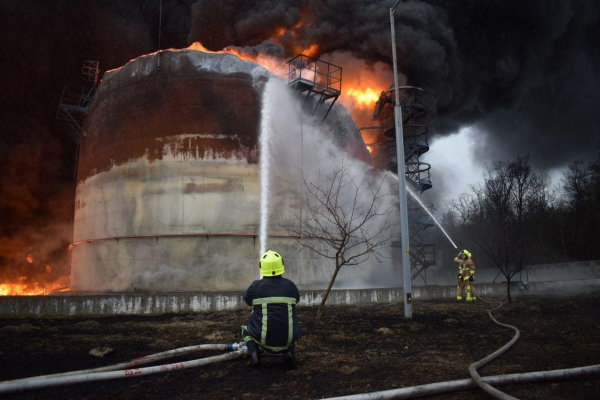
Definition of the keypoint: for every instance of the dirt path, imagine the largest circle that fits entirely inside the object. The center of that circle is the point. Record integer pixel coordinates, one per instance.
(353, 350)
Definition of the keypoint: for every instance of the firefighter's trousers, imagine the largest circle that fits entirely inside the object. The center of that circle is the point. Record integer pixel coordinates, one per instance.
(467, 285)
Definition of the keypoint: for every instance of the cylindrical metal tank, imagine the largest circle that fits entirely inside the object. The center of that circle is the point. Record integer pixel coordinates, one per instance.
(167, 194)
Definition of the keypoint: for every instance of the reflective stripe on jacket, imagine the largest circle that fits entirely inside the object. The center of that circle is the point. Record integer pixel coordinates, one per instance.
(274, 323)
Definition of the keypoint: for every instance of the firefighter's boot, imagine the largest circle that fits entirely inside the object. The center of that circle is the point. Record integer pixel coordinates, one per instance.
(289, 357)
(254, 353)
(470, 294)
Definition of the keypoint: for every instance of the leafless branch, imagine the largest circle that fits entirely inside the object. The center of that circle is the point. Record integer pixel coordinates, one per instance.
(344, 219)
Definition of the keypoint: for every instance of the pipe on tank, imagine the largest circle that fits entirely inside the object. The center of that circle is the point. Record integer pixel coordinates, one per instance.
(179, 235)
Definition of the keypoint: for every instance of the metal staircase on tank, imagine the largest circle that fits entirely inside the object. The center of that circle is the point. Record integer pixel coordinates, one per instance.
(75, 101)
(422, 253)
(316, 80)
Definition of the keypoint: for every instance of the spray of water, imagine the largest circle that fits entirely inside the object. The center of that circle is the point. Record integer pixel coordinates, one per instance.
(418, 199)
(283, 168)
(265, 163)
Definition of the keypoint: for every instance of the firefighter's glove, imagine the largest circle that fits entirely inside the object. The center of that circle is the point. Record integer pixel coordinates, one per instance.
(471, 278)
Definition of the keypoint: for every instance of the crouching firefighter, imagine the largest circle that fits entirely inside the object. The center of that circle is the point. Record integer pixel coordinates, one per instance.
(273, 326)
(466, 275)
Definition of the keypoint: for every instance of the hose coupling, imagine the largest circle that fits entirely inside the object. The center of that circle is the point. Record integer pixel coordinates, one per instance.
(236, 346)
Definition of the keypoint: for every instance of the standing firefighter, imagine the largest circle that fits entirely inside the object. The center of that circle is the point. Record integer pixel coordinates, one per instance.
(273, 326)
(466, 275)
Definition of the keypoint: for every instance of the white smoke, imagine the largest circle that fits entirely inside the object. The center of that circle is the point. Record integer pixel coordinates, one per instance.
(302, 148)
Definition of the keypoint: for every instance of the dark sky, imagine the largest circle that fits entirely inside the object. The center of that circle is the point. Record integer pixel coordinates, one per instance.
(526, 72)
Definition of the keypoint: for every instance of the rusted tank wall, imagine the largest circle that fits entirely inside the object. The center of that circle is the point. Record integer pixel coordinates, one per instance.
(175, 152)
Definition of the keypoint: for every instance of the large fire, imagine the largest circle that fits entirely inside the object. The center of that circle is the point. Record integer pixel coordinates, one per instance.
(270, 63)
(361, 84)
(33, 278)
(199, 47)
(361, 87)
(22, 288)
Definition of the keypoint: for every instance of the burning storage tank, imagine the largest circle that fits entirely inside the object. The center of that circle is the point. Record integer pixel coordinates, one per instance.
(167, 194)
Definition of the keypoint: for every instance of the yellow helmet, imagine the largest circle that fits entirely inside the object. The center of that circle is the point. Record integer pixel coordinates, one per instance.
(466, 253)
(271, 264)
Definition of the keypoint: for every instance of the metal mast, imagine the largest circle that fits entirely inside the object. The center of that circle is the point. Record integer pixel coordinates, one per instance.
(401, 178)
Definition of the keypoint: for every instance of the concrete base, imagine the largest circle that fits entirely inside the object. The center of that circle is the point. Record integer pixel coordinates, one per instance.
(160, 303)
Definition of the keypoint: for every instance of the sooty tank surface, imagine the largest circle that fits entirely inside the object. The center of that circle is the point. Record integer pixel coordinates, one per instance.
(167, 194)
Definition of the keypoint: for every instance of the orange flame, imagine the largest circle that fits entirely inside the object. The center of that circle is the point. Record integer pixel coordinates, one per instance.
(361, 87)
(367, 97)
(29, 258)
(36, 289)
(199, 47)
(311, 51)
(265, 61)
(16, 289)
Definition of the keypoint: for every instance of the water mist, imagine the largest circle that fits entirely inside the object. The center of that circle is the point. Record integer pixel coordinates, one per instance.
(418, 199)
(265, 162)
(286, 129)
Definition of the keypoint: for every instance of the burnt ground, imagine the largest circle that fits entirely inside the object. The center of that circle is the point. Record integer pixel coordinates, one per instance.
(347, 352)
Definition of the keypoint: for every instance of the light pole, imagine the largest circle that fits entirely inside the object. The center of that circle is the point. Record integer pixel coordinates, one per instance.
(401, 178)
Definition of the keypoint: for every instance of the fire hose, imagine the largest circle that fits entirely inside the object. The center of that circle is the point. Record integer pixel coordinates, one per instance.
(486, 387)
(466, 384)
(142, 360)
(238, 350)
(125, 370)
(485, 383)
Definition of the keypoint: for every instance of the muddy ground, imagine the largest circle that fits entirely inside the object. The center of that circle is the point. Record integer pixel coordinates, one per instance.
(353, 349)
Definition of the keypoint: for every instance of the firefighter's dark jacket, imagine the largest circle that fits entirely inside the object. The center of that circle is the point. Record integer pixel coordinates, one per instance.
(274, 323)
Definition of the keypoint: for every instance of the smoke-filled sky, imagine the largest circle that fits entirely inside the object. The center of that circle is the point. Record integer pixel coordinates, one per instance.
(523, 74)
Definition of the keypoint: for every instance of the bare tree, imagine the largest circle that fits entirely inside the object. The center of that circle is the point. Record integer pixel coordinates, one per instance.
(594, 270)
(581, 184)
(343, 220)
(577, 182)
(501, 214)
(517, 216)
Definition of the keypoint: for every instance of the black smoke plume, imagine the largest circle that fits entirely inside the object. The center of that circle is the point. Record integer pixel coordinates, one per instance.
(525, 73)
